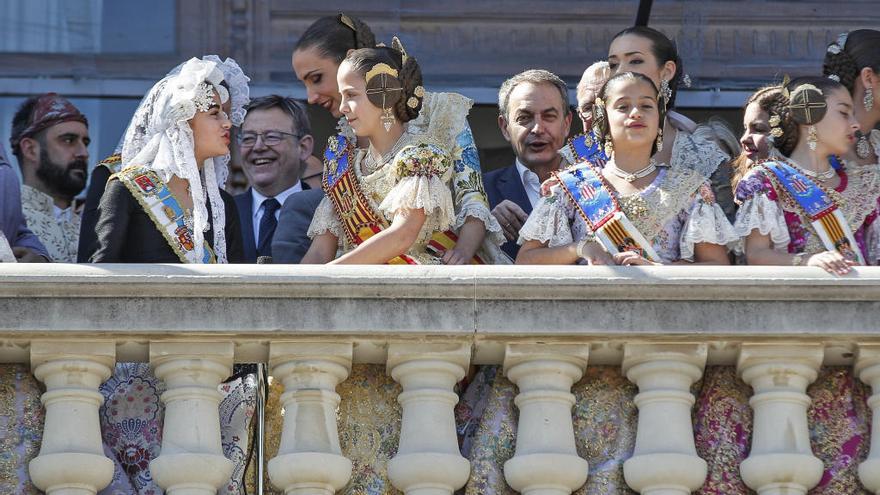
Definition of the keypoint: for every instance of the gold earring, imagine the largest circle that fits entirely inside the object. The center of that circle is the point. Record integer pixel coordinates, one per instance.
(812, 138)
(609, 148)
(387, 118)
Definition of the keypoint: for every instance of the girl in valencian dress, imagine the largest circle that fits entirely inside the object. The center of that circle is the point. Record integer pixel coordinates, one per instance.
(391, 202)
(633, 211)
(805, 207)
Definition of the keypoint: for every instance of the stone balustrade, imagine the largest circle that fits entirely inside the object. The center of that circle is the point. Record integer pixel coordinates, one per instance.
(427, 325)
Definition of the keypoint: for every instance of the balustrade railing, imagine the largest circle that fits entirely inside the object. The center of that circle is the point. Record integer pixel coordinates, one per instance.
(544, 325)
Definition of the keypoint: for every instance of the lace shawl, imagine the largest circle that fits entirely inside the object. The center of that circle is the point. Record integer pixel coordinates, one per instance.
(416, 178)
(675, 212)
(780, 217)
(443, 122)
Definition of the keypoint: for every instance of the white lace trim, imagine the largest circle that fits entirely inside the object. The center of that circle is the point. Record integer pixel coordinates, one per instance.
(325, 220)
(421, 192)
(239, 92)
(442, 118)
(874, 139)
(475, 209)
(548, 223)
(872, 242)
(706, 223)
(696, 153)
(761, 213)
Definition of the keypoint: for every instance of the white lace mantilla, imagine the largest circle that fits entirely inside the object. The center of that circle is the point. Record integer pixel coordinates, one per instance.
(675, 212)
(697, 153)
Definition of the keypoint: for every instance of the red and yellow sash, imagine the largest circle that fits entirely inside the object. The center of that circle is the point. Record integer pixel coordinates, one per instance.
(359, 220)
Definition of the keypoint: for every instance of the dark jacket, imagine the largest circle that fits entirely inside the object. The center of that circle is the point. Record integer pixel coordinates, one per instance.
(505, 183)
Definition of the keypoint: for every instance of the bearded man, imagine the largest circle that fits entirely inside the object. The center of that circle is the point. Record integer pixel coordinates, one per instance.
(50, 139)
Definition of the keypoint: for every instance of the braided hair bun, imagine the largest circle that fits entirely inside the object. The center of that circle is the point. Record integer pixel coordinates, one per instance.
(849, 54)
(393, 78)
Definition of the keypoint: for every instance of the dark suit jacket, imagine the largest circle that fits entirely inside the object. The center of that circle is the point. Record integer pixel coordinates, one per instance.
(245, 203)
(290, 242)
(505, 183)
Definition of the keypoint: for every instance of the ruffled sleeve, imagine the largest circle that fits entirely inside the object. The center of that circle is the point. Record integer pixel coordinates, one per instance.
(706, 223)
(549, 221)
(325, 220)
(467, 186)
(422, 175)
(759, 209)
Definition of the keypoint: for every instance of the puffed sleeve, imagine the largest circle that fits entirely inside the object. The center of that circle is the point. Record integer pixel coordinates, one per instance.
(550, 220)
(422, 174)
(325, 220)
(706, 223)
(759, 210)
(467, 185)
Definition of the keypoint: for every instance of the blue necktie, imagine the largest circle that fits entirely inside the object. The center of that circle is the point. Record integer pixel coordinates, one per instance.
(267, 227)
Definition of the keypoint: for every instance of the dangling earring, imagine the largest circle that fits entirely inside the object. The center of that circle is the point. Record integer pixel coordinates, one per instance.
(387, 118)
(665, 92)
(869, 99)
(659, 140)
(863, 149)
(812, 138)
(609, 148)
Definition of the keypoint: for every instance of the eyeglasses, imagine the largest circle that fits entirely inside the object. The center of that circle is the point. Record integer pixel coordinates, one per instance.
(270, 138)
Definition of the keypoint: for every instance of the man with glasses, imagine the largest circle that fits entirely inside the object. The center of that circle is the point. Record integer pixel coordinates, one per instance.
(275, 142)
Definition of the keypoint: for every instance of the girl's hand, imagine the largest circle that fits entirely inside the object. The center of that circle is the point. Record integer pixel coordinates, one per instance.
(630, 258)
(832, 262)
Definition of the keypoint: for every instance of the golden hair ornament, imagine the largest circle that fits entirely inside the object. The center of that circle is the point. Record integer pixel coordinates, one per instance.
(397, 45)
(344, 19)
(381, 69)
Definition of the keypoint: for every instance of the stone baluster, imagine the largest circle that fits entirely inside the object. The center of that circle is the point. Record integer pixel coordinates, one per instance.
(191, 461)
(545, 461)
(665, 460)
(428, 461)
(71, 459)
(310, 460)
(780, 461)
(868, 370)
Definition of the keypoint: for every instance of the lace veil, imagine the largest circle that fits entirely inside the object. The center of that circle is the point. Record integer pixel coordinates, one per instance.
(160, 138)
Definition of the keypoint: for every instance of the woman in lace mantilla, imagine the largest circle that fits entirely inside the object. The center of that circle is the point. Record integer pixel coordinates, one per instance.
(236, 83)
(672, 207)
(441, 121)
(774, 228)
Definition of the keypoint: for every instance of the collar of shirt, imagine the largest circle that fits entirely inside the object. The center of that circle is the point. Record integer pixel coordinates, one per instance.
(257, 206)
(531, 183)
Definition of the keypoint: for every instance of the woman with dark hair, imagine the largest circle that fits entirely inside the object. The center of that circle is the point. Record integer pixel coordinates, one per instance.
(757, 143)
(631, 211)
(798, 209)
(854, 61)
(316, 60)
(651, 53)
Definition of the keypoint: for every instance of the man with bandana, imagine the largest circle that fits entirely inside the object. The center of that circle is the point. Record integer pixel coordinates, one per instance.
(50, 139)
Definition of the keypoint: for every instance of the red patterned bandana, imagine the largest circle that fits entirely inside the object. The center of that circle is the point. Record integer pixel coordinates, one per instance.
(50, 109)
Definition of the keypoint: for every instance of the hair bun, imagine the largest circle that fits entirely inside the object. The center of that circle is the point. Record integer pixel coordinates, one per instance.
(807, 104)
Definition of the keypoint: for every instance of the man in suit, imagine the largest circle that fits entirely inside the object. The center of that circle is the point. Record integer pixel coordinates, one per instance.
(275, 141)
(535, 118)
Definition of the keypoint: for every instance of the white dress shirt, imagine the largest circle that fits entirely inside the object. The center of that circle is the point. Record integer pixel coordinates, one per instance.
(530, 182)
(257, 205)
